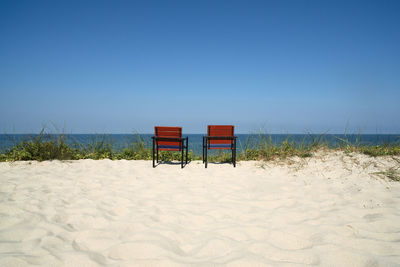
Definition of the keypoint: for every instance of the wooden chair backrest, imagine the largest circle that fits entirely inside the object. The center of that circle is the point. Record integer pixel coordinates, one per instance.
(165, 131)
(220, 130)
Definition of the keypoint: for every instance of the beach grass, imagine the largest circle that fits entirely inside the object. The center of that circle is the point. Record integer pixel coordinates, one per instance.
(50, 146)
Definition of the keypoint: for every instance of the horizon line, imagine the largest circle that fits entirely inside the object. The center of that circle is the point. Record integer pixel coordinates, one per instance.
(262, 133)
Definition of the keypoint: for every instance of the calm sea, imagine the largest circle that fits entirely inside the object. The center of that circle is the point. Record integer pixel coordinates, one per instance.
(120, 141)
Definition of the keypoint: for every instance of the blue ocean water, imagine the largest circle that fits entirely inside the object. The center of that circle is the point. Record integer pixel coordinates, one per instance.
(120, 141)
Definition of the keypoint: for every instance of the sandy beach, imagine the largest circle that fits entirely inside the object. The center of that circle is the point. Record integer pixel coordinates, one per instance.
(332, 209)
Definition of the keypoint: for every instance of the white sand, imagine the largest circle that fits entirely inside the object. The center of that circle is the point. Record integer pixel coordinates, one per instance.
(326, 211)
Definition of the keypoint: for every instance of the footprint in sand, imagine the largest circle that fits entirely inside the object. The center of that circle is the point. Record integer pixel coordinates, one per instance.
(136, 251)
(13, 262)
(7, 222)
(9, 210)
(280, 255)
(288, 241)
(17, 234)
(215, 248)
(372, 217)
(92, 240)
(86, 222)
(347, 259)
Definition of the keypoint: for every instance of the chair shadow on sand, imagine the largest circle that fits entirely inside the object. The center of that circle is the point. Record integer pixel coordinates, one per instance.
(168, 162)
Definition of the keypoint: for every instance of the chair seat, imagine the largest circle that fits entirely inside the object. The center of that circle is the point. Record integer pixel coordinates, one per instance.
(172, 148)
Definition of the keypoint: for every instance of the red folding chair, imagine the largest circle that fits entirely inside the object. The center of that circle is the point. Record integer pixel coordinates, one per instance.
(220, 137)
(169, 139)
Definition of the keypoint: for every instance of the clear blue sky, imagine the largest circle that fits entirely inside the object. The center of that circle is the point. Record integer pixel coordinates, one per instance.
(125, 66)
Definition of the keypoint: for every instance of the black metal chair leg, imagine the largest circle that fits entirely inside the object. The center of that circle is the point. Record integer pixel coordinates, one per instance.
(187, 147)
(157, 154)
(181, 154)
(206, 155)
(234, 157)
(153, 155)
(203, 149)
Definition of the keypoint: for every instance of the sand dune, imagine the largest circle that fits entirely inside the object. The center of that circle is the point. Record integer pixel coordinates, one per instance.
(328, 210)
